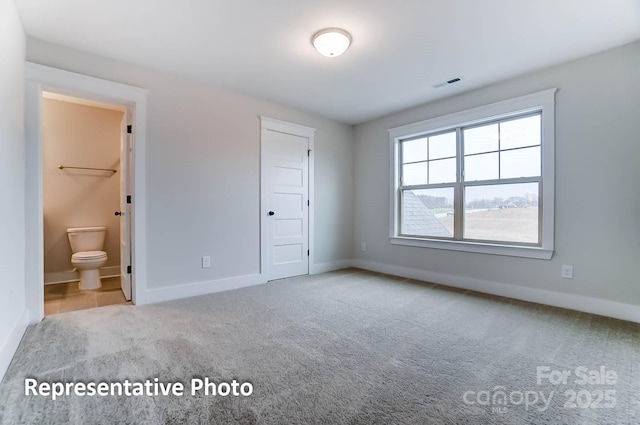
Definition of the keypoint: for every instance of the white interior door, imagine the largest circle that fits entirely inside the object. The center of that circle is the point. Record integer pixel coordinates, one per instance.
(125, 207)
(285, 210)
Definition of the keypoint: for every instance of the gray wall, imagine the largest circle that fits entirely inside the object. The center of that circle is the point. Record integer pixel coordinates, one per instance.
(81, 136)
(597, 182)
(203, 172)
(12, 229)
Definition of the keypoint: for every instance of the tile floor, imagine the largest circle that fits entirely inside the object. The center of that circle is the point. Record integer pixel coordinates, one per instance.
(63, 297)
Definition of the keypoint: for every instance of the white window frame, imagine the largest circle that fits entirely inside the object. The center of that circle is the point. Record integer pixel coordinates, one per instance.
(543, 102)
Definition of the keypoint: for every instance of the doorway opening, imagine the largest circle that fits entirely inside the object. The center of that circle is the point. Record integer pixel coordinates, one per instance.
(86, 160)
(41, 79)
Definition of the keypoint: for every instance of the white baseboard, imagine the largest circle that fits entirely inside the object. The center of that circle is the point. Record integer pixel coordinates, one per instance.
(13, 340)
(582, 303)
(201, 288)
(330, 266)
(72, 275)
(209, 287)
(111, 271)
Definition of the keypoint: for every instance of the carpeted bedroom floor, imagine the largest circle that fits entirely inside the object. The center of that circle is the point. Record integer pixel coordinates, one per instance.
(347, 347)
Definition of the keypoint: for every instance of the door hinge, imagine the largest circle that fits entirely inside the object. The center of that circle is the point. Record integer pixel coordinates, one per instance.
(128, 269)
(129, 129)
(307, 252)
(308, 202)
(128, 199)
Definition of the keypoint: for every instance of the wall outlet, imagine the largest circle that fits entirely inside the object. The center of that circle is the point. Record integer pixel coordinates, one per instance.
(206, 262)
(363, 246)
(567, 271)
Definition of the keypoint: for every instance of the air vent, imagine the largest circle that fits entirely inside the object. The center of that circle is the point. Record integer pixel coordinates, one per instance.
(448, 82)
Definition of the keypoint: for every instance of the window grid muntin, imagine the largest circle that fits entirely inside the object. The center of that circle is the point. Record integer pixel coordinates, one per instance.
(499, 121)
(426, 136)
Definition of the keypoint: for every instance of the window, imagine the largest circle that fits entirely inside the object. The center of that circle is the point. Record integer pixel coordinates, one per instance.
(481, 180)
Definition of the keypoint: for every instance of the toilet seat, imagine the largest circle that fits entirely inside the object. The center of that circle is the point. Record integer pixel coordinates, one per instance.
(89, 256)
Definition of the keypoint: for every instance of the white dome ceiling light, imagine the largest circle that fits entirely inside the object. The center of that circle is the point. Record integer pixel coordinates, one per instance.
(331, 42)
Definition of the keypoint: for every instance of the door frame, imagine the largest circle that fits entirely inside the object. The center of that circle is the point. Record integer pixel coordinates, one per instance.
(272, 124)
(40, 78)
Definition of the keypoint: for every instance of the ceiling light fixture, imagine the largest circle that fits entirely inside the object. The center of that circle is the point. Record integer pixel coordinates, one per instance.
(331, 42)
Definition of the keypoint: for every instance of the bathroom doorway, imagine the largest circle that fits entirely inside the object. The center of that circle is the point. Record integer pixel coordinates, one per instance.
(86, 185)
(40, 79)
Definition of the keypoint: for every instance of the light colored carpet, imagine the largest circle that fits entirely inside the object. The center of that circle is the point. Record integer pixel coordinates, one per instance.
(347, 347)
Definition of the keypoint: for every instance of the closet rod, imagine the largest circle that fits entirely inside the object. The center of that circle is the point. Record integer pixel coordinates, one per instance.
(62, 167)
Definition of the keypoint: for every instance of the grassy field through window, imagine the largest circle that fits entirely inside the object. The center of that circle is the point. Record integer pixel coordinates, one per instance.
(506, 225)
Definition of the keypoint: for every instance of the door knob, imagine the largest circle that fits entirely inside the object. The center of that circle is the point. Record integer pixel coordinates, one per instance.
(271, 213)
(119, 213)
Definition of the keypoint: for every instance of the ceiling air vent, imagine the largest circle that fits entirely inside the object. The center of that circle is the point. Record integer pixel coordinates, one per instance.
(448, 82)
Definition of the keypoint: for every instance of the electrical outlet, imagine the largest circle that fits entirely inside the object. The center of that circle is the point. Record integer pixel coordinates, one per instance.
(363, 246)
(567, 271)
(206, 262)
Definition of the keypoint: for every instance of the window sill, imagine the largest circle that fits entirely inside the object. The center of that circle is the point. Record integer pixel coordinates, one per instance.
(484, 248)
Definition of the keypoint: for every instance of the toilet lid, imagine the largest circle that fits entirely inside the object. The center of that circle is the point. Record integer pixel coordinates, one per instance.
(89, 255)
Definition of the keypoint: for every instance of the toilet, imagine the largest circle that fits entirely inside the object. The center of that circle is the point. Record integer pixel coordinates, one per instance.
(87, 244)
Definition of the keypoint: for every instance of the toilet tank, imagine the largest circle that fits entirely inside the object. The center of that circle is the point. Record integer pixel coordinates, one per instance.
(86, 238)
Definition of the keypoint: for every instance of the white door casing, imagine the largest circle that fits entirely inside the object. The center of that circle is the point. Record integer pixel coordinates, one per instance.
(41, 78)
(285, 165)
(126, 143)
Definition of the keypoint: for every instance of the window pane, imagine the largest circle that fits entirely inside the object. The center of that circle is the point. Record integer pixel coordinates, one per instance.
(481, 139)
(442, 171)
(502, 213)
(414, 150)
(414, 174)
(481, 167)
(520, 132)
(520, 163)
(427, 212)
(442, 145)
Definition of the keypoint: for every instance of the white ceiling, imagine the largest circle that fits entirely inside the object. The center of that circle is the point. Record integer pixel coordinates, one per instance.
(401, 48)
